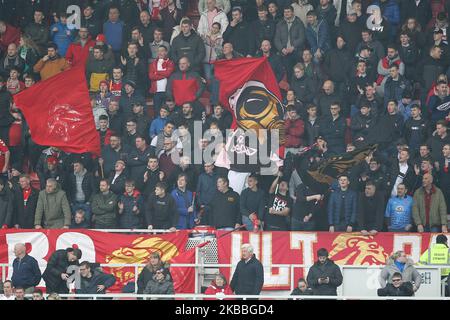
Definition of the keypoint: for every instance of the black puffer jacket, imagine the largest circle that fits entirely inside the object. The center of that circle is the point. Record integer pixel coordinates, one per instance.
(6, 207)
(405, 290)
(327, 270)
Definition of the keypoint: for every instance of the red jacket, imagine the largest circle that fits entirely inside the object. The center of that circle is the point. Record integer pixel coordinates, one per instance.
(107, 136)
(11, 35)
(294, 133)
(76, 54)
(213, 290)
(155, 75)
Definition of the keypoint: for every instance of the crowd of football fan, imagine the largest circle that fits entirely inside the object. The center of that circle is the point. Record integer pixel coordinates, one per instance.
(352, 74)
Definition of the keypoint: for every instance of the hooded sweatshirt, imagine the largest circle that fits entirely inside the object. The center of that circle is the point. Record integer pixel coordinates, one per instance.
(53, 210)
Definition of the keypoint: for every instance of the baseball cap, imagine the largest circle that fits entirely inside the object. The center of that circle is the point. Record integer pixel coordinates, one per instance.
(131, 83)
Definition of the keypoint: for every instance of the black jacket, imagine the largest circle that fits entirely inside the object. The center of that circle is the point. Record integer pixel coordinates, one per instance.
(24, 213)
(6, 207)
(191, 47)
(110, 156)
(405, 290)
(89, 285)
(409, 55)
(161, 213)
(304, 88)
(409, 179)
(263, 30)
(248, 278)
(351, 33)
(311, 131)
(371, 212)
(118, 187)
(360, 125)
(338, 64)
(224, 210)
(328, 269)
(137, 164)
(415, 132)
(57, 264)
(241, 37)
(334, 132)
(88, 186)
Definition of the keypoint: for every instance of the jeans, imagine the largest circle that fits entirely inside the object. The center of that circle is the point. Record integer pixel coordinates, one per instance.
(300, 225)
(248, 223)
(433, 229)
(213, 83)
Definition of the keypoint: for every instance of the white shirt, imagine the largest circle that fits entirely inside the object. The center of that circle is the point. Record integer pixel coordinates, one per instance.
(161, 84)
(403, 170)
(116, 175)
(11, 297)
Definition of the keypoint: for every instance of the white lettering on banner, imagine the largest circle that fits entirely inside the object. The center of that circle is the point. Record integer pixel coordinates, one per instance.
(304, 241)
(271, 279)
(400, 241)
(84, 243)
(39, 248)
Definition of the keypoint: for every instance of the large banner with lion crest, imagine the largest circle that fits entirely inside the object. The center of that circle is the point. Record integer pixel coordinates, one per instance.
(301, 248)
(96, 246)
(270, 247)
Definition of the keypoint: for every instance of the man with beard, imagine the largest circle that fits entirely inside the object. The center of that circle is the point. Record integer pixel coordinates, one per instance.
(51, 64)
(324, 276)
(104, 207)
(111, 153)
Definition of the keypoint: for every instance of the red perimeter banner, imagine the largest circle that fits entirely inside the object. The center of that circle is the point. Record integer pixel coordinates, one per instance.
(301, 248)
(96, 246)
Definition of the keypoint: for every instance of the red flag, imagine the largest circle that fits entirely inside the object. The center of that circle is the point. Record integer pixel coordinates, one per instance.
(184, 277)
(237, 75)
(59, 113)
(249, 89)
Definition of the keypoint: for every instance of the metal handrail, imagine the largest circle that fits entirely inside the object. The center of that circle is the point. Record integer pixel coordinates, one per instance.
(260, 297)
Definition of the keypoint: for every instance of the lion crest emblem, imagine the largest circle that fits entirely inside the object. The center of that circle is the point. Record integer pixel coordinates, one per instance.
(62, 120)
(139, 252)
(355, 249)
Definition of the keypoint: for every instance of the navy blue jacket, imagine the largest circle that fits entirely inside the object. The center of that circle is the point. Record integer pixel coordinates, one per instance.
(26, 272)
(334, 207)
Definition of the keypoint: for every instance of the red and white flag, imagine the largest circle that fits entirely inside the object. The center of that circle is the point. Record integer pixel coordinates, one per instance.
(59, 113)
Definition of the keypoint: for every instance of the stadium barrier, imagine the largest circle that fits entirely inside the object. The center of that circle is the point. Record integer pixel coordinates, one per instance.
(357, 285)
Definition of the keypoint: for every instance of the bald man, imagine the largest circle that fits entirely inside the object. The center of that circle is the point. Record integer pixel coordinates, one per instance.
(26, 272)
(429, 208)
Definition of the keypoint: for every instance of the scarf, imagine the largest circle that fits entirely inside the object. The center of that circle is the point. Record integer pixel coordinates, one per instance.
(7, 64)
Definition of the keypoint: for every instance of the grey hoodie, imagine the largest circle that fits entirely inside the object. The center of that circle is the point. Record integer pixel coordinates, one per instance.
(409, 273)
